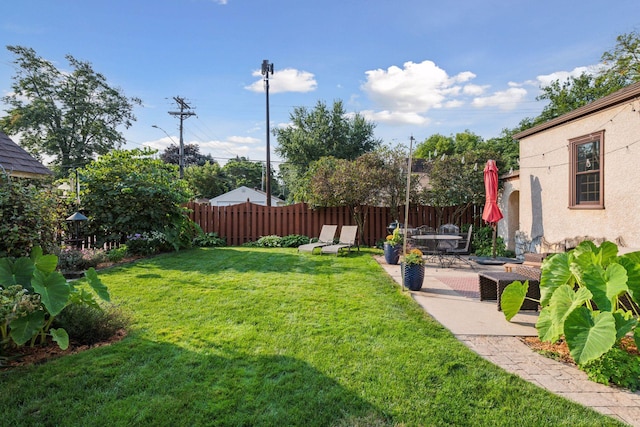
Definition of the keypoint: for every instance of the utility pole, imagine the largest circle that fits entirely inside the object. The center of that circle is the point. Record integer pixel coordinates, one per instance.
(267, 68)
(182, 114)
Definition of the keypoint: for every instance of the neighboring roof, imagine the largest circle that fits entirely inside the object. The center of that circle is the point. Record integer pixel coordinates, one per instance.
(17, 162)
(242, 194)
(625, 94)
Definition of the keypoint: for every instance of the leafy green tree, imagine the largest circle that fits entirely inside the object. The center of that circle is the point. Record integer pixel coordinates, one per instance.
(241, 171)
(390, 167)
(71, 116)
(208, 180)
(31, 216)
(575, 92)
(454, 183)
(322, 132)
(192, 155)
(127, 192)
(624, 59)
(341, 182)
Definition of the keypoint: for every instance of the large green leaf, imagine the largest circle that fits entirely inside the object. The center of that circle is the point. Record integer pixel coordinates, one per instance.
(19, 272)
(555, 272)
(564, 300)
(606, 253)
(512, 298)
(547, 331)
(96, 284)
(625, 322)
(53, 289)
(631, 263)
(25, 327)
(589, 334)
(61, 337)
(46, 263)
(606, 285)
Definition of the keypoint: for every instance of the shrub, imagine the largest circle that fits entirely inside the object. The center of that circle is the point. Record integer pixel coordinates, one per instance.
(117, 254)
(71, 259)
(89, 325)
(31, 216)
(616, 366)
(37, 274)
(294, 240)
(272, 241)
(142, 244)
(482, 242)
(205, 240)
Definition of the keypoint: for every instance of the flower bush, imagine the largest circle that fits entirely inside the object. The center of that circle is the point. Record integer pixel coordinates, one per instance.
(394, 238)
(146, 243)
(71, 259)
(414, 257)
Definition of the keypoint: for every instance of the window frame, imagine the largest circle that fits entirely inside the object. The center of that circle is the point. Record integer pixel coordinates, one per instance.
(574, 143)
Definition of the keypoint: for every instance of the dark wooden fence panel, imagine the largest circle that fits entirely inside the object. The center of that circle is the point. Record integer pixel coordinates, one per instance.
(246, 222)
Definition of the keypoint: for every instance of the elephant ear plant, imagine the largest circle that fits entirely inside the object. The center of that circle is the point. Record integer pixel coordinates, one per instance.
(33, 293)
(589, 295)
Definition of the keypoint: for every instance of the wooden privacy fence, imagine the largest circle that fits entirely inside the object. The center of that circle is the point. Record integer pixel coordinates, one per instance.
(247, 222)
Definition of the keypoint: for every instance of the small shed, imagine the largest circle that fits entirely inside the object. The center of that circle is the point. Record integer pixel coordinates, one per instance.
(243, 194)
(17, 162)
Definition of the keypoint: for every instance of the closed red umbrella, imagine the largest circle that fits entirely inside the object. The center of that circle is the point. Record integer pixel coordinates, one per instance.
(491, 213)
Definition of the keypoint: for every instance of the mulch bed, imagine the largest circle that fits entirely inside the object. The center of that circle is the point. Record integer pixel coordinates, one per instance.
(26, 355)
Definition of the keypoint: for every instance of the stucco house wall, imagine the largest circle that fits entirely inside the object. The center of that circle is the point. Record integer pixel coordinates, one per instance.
(545, 174)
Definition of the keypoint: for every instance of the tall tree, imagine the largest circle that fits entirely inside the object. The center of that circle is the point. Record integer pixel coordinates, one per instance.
(71, 116)
(192, 155)
(206, 181)
(624, 59)
(322, 132)
(242, 171)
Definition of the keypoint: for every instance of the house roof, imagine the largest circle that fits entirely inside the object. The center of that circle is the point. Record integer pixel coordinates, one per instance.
(17, 162)
(625, 94)
(241, 194)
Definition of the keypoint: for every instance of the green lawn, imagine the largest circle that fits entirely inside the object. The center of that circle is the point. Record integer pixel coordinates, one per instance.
(270, 337)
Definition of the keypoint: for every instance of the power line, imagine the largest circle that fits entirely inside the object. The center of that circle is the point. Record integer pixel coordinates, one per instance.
(182, 115)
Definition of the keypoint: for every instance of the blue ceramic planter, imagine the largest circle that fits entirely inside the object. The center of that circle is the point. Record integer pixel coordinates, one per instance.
(413, 276)
(392, 253)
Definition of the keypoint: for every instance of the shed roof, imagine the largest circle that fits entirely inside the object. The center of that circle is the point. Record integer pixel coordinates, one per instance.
(626, 94)
(17, 162)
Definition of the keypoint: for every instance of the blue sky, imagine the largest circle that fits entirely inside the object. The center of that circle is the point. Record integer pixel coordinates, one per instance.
(413, 67)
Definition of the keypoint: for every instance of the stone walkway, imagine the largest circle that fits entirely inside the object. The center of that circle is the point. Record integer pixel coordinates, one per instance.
(480, 326)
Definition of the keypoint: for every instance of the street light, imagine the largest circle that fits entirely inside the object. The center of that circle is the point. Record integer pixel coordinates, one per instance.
(180, 152)
(267, 68)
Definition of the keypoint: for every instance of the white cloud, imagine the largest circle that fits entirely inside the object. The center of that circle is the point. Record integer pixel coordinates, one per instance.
(474, 90)
(395, 117)
(405, 94)
(286, 80)
(546, 79)
(504, 100)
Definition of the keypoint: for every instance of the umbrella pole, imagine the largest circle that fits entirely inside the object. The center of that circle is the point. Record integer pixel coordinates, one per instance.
(493, 241)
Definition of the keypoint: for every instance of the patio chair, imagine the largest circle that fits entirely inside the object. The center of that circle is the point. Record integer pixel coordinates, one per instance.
(327, 234)
(448, 229)
(457, 252)
(348, 235)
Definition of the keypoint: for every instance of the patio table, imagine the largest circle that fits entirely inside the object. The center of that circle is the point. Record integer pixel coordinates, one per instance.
(436, 245)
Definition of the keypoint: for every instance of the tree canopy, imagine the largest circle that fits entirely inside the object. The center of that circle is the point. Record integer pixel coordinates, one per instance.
(71, 116)
(207, 181)
(192, 155)
(128, 191)
(322, 132)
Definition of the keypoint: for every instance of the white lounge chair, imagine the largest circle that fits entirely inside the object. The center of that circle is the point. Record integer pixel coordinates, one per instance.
(348, 235)
(327, 233)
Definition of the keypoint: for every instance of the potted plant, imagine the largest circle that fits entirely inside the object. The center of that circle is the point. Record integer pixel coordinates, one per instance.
(413, 270)
(393, 247)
